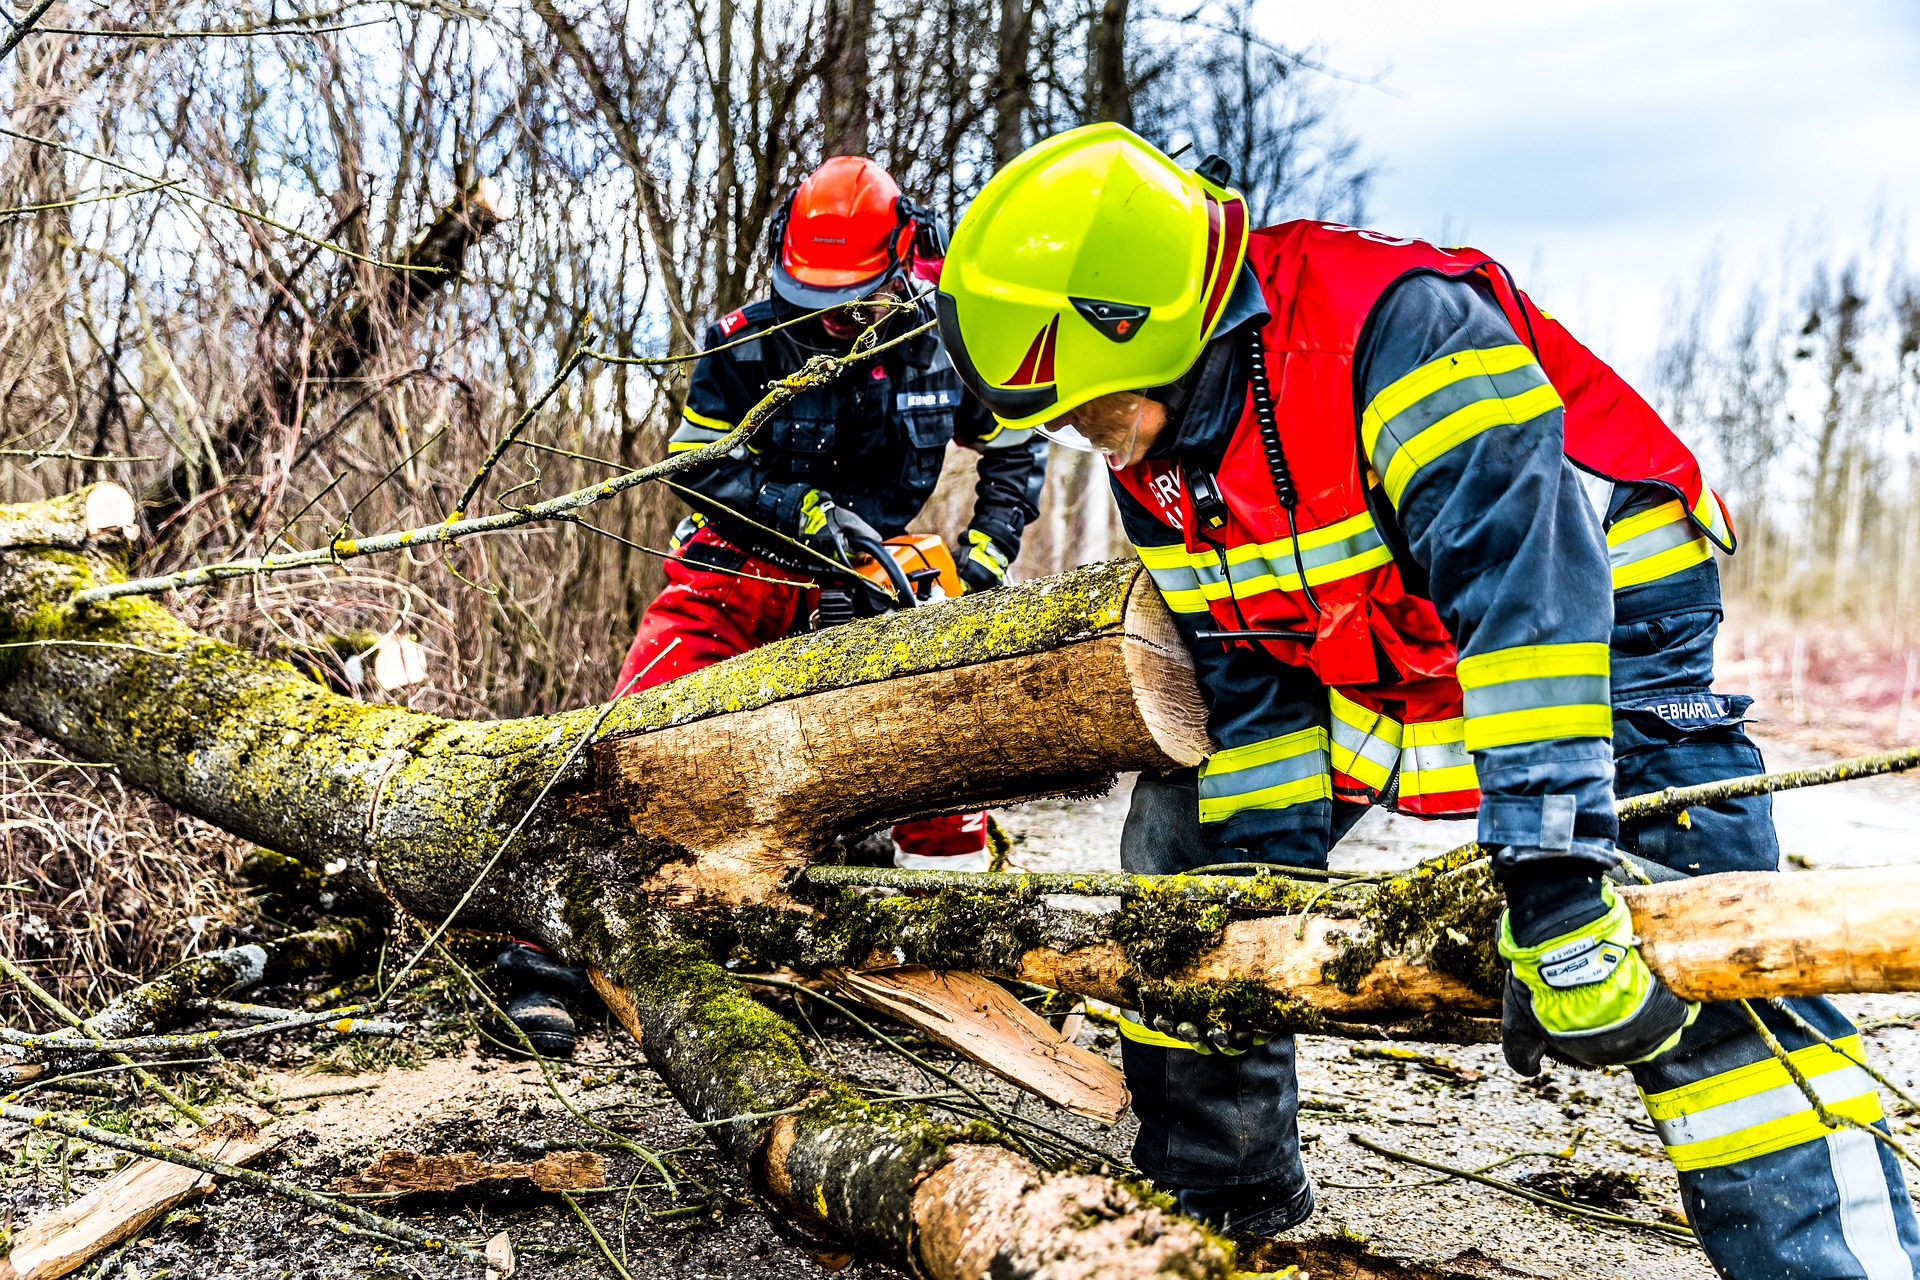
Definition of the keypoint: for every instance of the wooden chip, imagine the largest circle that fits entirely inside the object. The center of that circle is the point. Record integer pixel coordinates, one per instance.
(62, 1240)
(981, 1020)
(402, 1173)
(501, 1262)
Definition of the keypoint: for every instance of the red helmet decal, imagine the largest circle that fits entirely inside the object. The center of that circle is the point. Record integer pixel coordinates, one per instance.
(1036, 369)
(1226, 224)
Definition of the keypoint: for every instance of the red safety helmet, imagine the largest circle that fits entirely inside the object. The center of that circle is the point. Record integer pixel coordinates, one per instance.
(843, 232)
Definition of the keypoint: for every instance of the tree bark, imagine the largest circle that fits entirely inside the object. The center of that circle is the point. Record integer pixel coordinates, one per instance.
(342, 352)
(417, 807)
(1111, 94)
(1013, 80)
(846, 94)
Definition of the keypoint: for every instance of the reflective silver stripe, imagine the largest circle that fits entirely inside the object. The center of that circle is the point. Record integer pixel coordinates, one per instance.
(1009, 438)
(1451, 398)
(1867, 1223)
(1307, 764)
(1178, 578)
(1276, 559)
(1776, 1103)
(1651, 543)
(1363, 744)
(1438, 755)
(1535, 693)
(694, 433)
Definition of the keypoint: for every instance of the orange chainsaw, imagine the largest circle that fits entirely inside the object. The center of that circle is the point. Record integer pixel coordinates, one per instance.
(900, 573)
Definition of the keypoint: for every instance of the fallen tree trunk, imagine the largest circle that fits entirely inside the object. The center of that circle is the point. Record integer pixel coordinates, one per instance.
(676, 835)
(417, 806)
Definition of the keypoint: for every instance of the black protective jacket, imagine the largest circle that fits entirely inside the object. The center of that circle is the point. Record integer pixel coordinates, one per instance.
(873, 440)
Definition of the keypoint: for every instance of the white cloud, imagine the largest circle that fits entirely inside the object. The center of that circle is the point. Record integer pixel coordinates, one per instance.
(1602, 148)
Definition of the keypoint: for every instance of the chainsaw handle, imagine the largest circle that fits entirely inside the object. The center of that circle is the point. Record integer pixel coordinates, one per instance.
(873, 546)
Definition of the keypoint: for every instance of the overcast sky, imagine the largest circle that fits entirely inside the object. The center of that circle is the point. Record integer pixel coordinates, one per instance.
(1601, 148)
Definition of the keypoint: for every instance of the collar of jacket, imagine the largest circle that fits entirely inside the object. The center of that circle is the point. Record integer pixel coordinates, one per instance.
(1203, 407)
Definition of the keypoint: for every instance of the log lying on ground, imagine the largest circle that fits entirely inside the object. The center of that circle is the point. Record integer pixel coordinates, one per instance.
(675, 837)
(1047, 690)
(159, 1004)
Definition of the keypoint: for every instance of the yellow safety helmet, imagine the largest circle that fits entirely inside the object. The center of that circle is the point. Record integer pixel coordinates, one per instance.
(1092, 263)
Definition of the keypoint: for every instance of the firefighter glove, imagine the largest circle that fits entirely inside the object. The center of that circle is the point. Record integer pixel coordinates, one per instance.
(827, 527)
(1201, 1038)
(984, 566)
(1587, 997)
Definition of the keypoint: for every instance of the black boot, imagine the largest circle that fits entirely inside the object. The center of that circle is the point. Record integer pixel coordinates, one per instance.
(537, 987)
(1263, 1209)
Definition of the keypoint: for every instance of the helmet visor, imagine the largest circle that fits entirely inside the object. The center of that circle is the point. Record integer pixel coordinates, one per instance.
(1108, 425)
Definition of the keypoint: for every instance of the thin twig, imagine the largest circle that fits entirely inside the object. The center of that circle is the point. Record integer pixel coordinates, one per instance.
(1799, 1077)
(599, 1240)
(72, 1019)
(897, 1047)
(343, 1020)
(177, 186)
(72, 455)
(1674, 799)
(23, 28)
(246, 1177)
(1787, 1008)
(817, 370)
(1670, 1230)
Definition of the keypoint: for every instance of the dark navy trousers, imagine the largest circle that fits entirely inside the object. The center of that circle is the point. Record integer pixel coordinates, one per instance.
(1772, 1192)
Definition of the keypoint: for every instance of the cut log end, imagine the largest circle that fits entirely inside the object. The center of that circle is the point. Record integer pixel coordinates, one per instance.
(1161, 672)
(988, 1212)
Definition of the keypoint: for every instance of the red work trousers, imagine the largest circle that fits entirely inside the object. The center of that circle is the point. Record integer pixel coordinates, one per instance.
(705, 615)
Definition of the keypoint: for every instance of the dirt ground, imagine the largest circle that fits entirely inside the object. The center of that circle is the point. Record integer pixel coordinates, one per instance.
(1373, 1208)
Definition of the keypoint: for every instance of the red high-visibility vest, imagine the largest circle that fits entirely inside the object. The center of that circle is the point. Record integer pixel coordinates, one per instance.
(1321, 282)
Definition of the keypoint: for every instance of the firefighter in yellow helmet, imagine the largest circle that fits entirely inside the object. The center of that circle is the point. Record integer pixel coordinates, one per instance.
(1428, 552)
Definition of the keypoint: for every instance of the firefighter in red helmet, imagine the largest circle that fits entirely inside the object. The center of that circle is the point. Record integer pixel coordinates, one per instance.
(861, 453)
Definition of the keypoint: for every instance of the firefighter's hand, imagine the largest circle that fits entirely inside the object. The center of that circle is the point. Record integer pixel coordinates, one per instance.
(827, 527)
(1204, 1039)
(1587, 997)
(984, 565)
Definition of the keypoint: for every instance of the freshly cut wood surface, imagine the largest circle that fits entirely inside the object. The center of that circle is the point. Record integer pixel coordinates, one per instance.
(1762, 934)
(981, 1019)
(62, 1240)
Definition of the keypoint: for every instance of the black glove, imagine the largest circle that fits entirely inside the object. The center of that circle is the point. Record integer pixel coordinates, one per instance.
(832, 530)
(983, 564)
(1577, 986)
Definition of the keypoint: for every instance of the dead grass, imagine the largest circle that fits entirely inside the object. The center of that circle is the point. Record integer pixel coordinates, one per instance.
(103, 885)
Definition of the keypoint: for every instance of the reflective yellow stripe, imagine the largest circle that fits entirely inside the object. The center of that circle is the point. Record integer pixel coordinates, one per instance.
(1171, 569)
(1140, 1033)
(1707, 512)
(1276, 773)
(1497, 386)
(1531, 662)
(1653, 544)
(1365, 743)
(1531, 693)
(1434, 759)
(711, 424)
(1758, 1108)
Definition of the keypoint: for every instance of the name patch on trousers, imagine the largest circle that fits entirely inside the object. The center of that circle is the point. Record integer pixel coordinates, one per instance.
(1691, 710)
